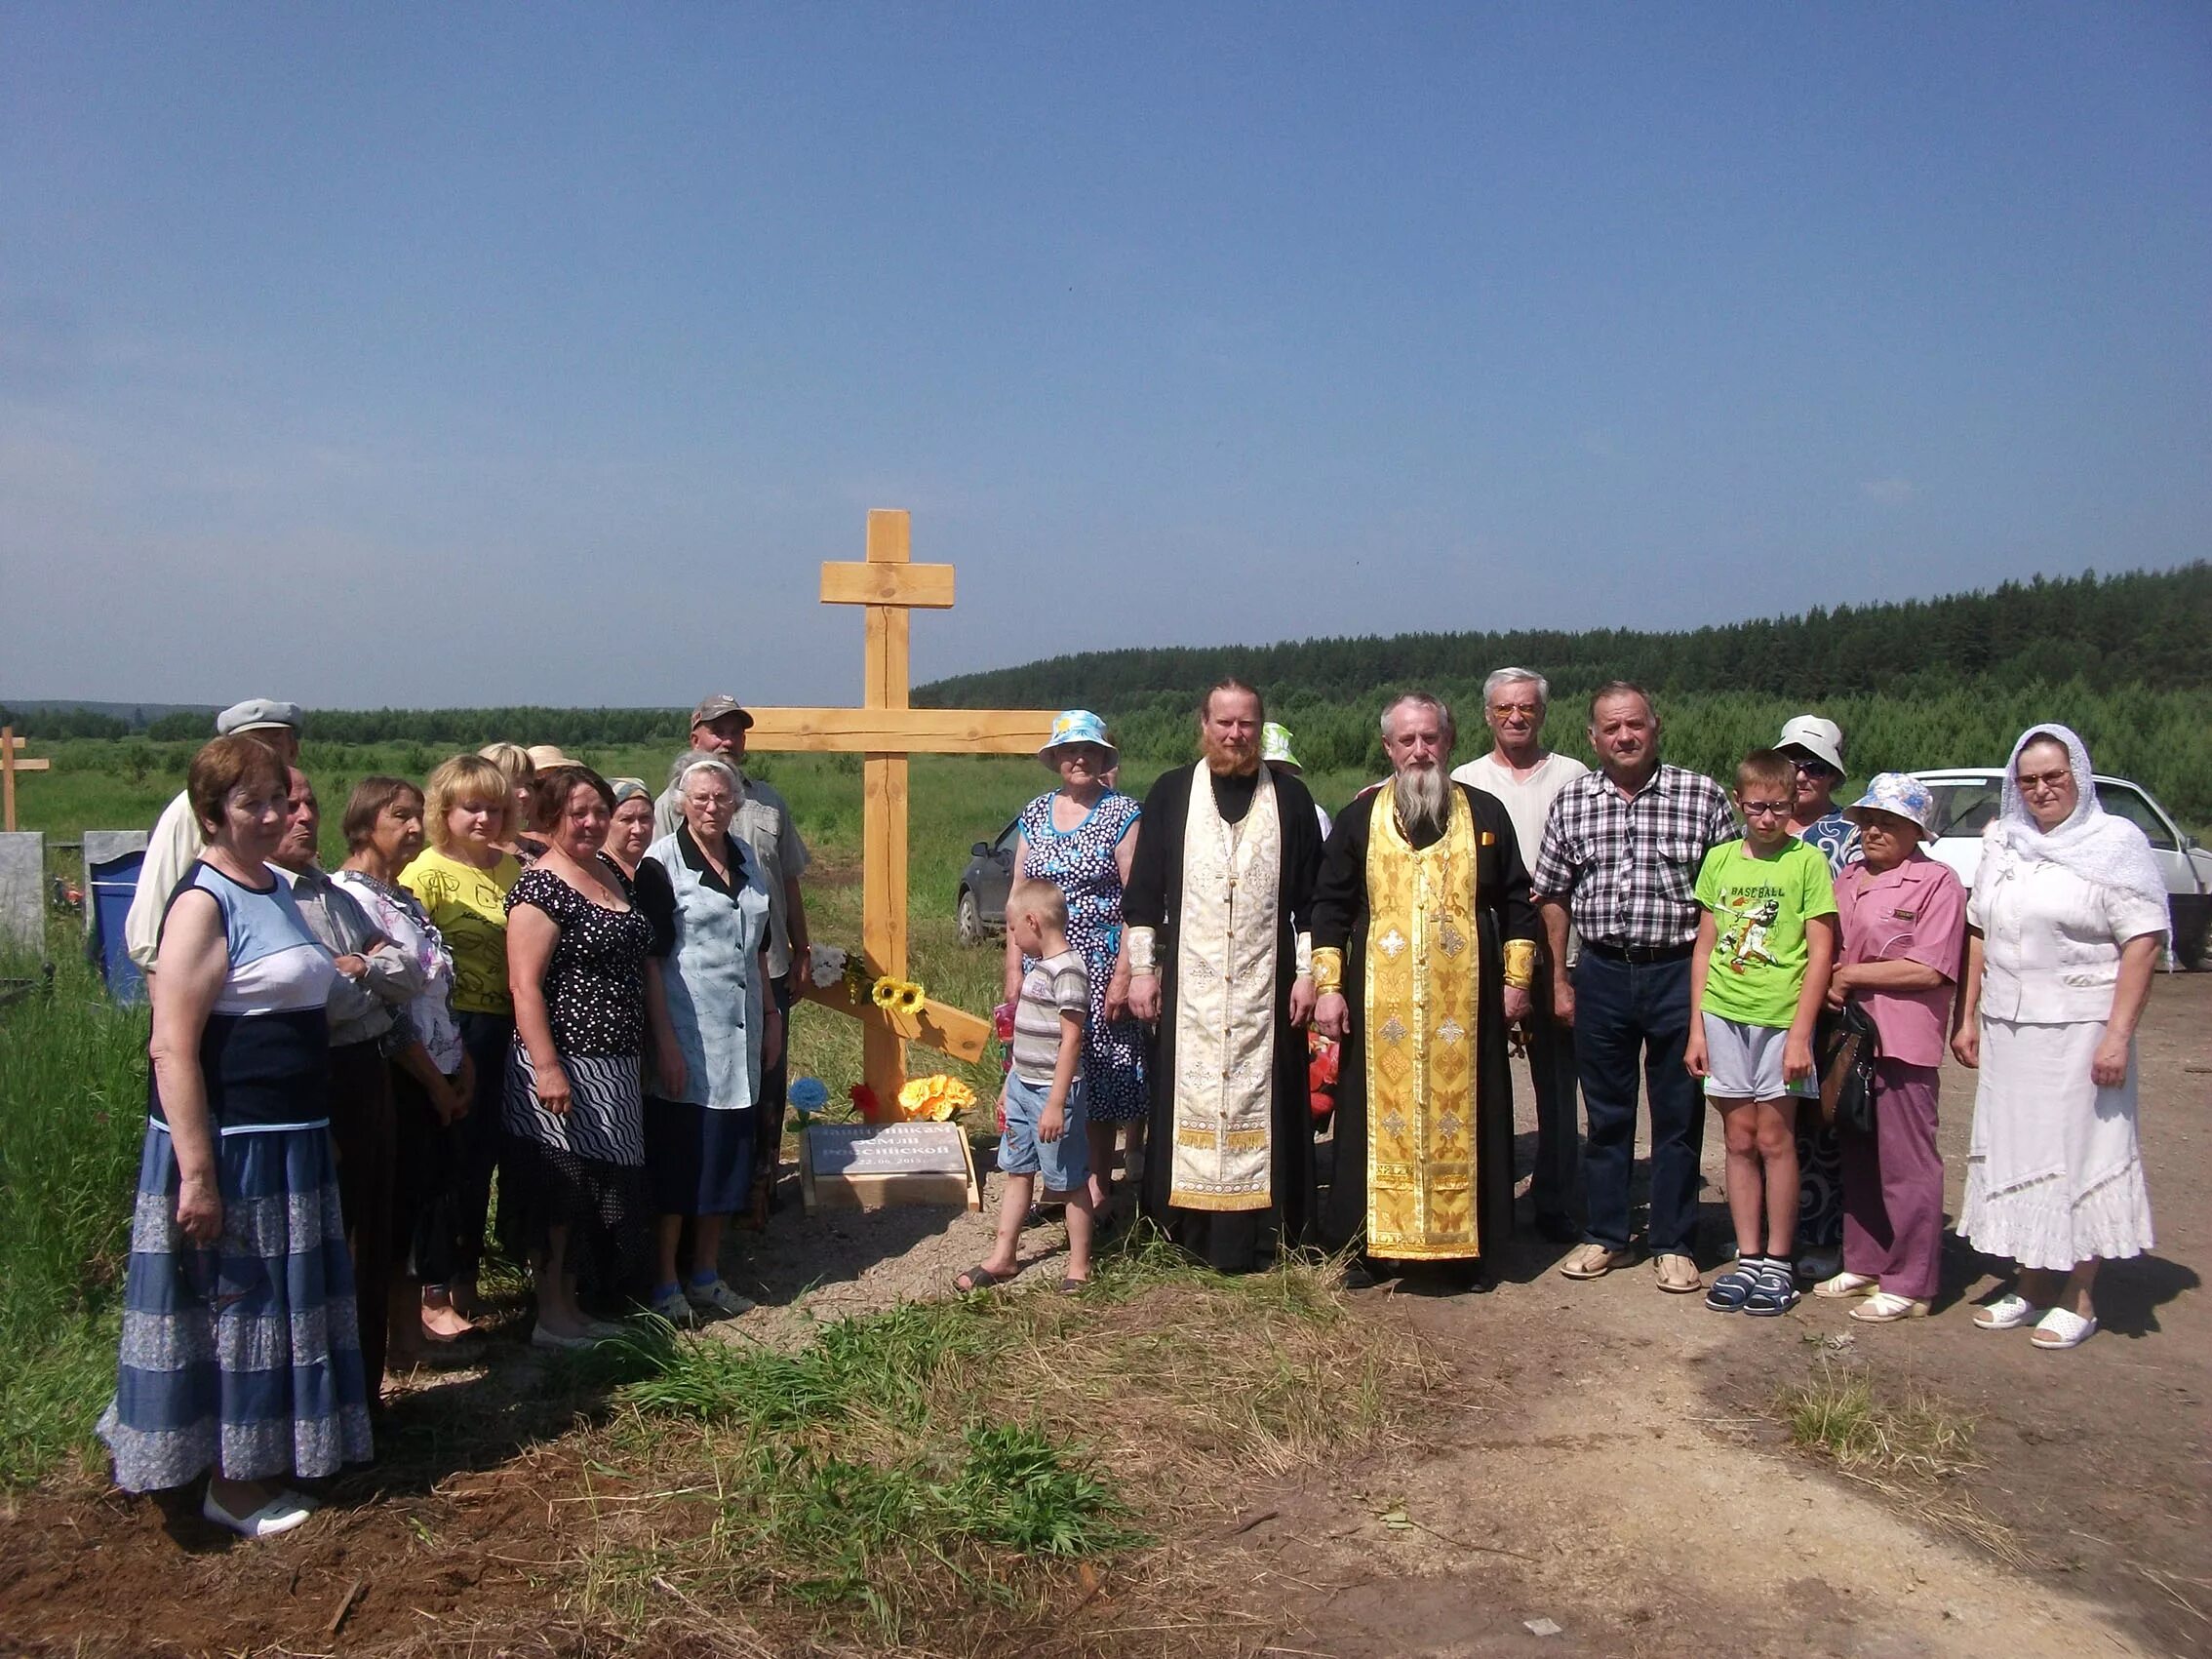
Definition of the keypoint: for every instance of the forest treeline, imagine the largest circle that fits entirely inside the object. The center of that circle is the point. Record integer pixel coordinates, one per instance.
(2152, 628)
(2125, 659)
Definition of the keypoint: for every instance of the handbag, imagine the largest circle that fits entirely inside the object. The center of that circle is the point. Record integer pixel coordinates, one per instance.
(1845, 1048)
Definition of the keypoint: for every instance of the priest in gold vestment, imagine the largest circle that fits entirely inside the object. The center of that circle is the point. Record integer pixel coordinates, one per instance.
(1424, 947)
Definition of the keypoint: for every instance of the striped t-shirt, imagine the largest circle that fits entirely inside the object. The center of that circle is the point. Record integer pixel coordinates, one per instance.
(1053, 985)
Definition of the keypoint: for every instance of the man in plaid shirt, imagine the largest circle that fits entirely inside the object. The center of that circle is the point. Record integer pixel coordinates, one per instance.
(1620, 856)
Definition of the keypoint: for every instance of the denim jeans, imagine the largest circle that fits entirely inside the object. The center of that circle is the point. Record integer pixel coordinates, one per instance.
(1625, 1012)
(1558, 1124)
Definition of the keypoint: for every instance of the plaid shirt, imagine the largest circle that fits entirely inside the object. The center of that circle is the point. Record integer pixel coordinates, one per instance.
(1628, 868)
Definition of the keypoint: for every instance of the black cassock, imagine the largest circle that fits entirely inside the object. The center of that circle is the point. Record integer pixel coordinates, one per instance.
(1503, 911)
(1247, 1239)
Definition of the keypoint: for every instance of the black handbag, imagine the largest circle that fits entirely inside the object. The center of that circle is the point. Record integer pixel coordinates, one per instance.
(1845, 1049)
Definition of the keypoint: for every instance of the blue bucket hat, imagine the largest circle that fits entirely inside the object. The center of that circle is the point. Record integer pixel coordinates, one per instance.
(1078, 726)
(1899, 794)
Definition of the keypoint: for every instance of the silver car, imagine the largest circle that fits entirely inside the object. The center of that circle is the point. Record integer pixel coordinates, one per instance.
(1966, 799)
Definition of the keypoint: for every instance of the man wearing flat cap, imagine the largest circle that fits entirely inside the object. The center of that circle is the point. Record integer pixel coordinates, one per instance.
(764, 824)
(176, 841)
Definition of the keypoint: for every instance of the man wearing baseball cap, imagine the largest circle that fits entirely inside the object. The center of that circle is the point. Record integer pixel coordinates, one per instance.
(764, 824)
(176, 841)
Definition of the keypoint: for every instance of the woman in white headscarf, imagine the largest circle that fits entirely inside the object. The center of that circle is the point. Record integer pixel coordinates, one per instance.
(2064, 928)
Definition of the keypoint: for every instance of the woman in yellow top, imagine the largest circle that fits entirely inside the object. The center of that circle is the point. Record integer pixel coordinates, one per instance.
(463, 879)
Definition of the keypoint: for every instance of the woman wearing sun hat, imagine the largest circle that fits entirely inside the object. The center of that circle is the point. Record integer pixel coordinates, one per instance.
(1275, 749)
(1903, 917)
(1082, 836)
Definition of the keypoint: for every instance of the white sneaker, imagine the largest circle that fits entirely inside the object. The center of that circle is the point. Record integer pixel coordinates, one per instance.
(281, 1514)
(716, 1299)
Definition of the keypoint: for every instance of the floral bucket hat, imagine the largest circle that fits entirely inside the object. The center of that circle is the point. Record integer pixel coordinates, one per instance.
(1275, 746)
(1077, 726)
(1900, 793)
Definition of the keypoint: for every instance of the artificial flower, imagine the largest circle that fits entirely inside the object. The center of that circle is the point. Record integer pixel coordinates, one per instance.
(934, 1100)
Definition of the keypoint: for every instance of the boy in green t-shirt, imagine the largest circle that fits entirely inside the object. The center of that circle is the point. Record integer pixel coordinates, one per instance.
(1758, 976)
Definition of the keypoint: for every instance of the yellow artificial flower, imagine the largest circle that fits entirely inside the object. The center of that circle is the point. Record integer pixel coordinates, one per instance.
(934, 1100)
(886, 992)
(910, 997)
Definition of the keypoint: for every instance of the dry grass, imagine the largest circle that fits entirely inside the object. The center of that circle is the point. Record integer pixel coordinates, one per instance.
(1903, 1441)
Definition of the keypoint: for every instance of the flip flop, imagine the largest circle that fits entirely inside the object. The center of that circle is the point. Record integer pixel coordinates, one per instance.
(2062, 1328)
(1074, 1287)
(979, 1277)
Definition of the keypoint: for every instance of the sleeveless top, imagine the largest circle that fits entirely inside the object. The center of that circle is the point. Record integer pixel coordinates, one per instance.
(264, 1051)
(711, 939)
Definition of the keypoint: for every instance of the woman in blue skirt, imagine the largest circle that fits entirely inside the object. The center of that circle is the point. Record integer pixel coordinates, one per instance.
(240, 1356)
(714, 1030)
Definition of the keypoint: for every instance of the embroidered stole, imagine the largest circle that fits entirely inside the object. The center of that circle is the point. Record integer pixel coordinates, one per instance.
(1423, 975)
(1225, 953)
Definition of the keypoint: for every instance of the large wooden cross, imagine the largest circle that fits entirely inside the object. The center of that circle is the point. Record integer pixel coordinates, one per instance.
(10, 764)
(885, 731)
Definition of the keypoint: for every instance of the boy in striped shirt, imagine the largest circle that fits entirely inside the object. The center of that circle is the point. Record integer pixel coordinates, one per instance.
(1044, 1102)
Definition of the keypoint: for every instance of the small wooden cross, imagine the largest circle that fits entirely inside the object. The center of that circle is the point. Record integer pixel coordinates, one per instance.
(885, 731)
(10, 765)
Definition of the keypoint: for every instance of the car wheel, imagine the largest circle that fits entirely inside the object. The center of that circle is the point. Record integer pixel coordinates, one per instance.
(970, 918)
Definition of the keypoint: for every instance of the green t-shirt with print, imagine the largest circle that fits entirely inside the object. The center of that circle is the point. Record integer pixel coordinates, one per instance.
(1759, 909)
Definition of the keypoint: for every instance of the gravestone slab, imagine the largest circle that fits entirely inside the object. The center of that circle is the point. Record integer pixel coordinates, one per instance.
(101, 846)
(22, 891)
(868, 1165)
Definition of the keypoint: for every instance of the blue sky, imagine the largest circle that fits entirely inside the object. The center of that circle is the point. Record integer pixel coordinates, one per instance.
(501, 353)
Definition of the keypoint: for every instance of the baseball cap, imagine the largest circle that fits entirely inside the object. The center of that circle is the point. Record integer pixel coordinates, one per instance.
(1823, 740)
(256, 714)
(715, 707)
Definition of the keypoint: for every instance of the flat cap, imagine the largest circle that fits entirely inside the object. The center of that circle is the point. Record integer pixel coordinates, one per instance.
(256, 714)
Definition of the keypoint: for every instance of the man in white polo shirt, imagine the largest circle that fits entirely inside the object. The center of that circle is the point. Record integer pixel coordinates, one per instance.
(1525, 777)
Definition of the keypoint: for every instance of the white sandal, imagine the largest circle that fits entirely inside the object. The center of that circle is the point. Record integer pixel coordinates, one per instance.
(1885, 1307)
(2009, 1311)
(2062, 1328)
(1847, 1285)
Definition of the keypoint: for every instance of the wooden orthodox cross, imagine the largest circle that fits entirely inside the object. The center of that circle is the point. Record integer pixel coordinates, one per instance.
(885, 730)
(10, 765)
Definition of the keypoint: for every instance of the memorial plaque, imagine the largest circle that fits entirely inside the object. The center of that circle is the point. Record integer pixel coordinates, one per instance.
(22, 893)
(868, 1165)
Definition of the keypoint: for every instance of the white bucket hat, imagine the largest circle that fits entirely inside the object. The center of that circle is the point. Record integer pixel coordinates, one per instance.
(1823, 740)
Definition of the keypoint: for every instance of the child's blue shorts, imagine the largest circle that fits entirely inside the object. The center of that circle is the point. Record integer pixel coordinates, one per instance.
(1063, 1165)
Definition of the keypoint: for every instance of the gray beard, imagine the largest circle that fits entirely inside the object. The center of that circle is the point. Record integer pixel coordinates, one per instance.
(1422, 798)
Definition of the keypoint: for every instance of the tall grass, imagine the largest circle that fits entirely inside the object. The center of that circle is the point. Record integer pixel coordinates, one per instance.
(72, 1118)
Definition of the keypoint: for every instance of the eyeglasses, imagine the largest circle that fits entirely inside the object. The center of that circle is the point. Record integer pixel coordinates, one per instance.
(1766, 809)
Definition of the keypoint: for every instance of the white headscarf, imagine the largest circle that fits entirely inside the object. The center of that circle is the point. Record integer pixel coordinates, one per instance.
(2092, 842)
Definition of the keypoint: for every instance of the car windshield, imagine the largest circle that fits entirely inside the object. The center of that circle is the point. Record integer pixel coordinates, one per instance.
(2124, 803)
(1966, 807)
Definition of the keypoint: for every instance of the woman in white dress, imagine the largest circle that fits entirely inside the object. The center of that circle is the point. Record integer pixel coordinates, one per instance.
(2064, 924)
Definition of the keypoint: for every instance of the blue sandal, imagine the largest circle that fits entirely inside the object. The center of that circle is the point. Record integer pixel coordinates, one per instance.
(1776, 1292)
(1732, 1289)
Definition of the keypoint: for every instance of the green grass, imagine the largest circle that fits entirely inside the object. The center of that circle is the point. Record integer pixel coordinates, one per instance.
(72, 1118)
(913, 1465)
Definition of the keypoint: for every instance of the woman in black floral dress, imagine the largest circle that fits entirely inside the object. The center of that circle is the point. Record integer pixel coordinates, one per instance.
(572, 1197)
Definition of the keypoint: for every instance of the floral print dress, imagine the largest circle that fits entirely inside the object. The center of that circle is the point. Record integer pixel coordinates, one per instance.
(1080, 862)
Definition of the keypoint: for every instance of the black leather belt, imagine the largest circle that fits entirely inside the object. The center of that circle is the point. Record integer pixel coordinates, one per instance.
(1640, 953)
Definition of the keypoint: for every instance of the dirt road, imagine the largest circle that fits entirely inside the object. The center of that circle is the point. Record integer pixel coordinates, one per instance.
(1621, 1444)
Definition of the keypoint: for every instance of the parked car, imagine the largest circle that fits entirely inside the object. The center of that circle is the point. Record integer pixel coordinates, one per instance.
(981, 908)
(1966, 799)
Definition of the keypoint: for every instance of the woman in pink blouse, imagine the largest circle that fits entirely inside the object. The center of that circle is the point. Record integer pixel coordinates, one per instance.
(1903, 917)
